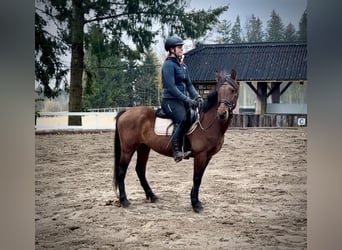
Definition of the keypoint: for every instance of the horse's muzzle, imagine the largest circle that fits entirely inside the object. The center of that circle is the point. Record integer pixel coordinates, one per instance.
(223, 116)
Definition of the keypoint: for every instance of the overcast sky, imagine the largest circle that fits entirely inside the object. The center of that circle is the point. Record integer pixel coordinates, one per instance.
(288, 10)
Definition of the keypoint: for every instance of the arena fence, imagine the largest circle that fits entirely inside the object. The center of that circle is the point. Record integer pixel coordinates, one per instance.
(50, 121)
(269, 120)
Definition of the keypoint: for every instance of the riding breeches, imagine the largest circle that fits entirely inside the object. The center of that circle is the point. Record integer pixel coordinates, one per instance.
(175, 109)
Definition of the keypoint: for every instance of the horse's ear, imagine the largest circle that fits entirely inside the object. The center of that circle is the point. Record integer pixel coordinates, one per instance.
(218, 76)
(233, 74)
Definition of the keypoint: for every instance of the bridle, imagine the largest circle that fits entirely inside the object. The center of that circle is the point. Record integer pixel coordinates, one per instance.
(228, 81)
(231, 106)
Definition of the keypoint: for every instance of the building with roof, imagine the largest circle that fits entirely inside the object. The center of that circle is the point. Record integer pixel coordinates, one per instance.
(266, 69)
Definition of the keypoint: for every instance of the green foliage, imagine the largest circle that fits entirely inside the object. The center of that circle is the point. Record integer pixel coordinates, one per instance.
(112, 29)
(48, 65)
(254, 30)
(122, 82)
(302, 28)
(236, 31)
(224, 30)
(146, 84)
(135, 20)
(196, 23)
(290, 33)
(275, 28)
(104, 82)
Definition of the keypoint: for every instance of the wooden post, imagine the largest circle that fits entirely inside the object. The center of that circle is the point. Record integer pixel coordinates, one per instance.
(276, 92)
(261, 98)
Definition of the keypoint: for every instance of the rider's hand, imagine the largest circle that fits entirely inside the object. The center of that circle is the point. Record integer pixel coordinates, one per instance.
(193, 103)
(199, 101)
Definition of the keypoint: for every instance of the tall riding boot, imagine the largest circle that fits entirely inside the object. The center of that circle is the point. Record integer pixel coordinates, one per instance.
(177, 139)
(187, 148)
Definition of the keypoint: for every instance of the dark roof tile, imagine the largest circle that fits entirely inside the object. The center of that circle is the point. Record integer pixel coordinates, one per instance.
(252, 61)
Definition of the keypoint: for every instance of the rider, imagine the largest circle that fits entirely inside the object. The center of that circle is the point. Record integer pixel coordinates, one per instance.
(179, 94)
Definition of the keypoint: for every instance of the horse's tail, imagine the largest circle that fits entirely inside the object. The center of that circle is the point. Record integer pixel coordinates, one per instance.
(117, 150)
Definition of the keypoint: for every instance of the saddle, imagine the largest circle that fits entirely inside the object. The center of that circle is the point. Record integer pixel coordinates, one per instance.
(164, 126)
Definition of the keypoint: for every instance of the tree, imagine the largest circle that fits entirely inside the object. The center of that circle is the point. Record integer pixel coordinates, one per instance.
(146, 84)
(105, 83)
(254, 29)
(121, 82)
(48, 65)
(290, 33)
(123, 22)
(302, 28)
(275, 28)
(224, 29)
(108, 86)
(236, 31)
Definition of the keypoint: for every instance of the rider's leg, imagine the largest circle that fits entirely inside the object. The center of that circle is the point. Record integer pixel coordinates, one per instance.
(176, 110)
(177, 139)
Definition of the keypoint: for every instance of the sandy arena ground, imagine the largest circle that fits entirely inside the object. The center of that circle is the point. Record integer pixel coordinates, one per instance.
(253, 192)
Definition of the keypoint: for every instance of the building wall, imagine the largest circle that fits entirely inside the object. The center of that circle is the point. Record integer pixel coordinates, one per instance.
(295, 94)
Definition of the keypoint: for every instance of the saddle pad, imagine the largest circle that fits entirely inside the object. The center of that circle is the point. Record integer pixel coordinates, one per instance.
(164, 126)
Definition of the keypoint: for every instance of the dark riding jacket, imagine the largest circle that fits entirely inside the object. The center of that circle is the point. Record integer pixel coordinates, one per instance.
(176, 80)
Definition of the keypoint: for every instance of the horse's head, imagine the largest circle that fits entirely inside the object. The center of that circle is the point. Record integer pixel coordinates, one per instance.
(227, 92)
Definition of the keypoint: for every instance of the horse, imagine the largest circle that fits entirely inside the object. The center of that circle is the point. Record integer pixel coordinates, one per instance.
(135, 133)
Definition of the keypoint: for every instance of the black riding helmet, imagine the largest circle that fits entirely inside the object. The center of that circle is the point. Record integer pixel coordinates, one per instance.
(172, 42)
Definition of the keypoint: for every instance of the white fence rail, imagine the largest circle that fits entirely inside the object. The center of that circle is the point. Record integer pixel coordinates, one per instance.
(50, 121)
(90, 121)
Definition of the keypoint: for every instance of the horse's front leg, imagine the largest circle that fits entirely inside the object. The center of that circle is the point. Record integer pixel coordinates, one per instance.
(200, 164)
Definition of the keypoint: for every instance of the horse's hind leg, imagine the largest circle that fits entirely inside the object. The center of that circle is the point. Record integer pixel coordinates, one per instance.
(120, 177)
(142, 156)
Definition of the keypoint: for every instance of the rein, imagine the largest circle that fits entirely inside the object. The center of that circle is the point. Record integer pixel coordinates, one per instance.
(211, 124)
(213, 121)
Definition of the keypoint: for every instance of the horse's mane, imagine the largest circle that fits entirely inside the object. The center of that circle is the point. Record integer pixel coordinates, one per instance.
(209, 101)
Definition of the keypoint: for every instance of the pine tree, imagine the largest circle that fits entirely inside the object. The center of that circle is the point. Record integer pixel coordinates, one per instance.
(236, 31)
(48, 65)
(275, 28)
(254, 30)
(290, 33)
(224, 30)
(302, 28)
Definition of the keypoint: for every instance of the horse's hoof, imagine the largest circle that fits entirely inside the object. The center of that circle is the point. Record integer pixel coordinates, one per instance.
(125, 203)
(153, 198)
(198, 207)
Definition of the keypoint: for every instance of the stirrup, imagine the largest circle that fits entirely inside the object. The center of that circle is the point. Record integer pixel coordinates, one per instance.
(187, 155)
(178, 156)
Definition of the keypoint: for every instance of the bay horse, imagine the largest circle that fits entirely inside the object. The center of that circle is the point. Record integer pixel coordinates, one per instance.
(135, 133)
